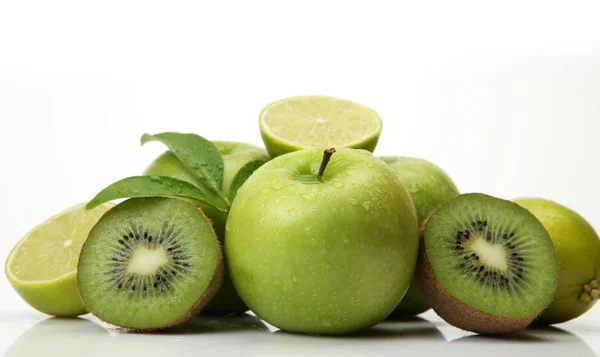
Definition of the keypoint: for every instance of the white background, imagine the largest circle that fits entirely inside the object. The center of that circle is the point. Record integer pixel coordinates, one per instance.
(504, 97)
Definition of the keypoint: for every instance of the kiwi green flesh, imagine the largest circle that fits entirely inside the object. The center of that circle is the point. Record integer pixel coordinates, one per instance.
(458, 313)
(491, 255)
(150, 263)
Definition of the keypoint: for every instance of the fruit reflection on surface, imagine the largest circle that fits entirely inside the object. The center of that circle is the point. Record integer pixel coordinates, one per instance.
(56, 337)
(548, 341)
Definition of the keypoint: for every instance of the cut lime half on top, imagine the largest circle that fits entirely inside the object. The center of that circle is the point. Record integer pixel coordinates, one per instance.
(42, 267)
(304, 122)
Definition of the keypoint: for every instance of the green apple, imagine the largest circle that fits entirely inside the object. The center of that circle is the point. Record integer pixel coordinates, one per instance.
(429, 186)
(577, 247)
(235, 156)
(322, 254)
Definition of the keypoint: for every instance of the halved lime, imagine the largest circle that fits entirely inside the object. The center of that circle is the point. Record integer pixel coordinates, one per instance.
(42, 267)
(305, 122)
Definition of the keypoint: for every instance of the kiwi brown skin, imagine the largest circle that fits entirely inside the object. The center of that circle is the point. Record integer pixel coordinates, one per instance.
(211, 290)
(455, 312)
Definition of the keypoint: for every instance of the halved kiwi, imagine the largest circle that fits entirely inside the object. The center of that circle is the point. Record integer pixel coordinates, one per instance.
(150, 263)
(485, 264)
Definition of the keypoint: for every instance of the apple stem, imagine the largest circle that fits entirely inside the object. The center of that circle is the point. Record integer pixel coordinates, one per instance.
(326, 157)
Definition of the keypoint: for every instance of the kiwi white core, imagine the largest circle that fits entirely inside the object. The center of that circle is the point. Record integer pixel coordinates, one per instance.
(146, 261)
(494, 255)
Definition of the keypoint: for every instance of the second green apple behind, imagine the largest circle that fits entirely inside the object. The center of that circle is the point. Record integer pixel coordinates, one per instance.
(235, 156)
(429, 186)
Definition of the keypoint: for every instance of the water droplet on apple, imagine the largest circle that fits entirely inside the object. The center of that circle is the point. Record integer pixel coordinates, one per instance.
(346, 240)
(338, 185)
(308, 229)
(367, 205)
(293, 212)
(368, 185)
(326, 323)
(353, 201)
(155, 178)
(266, 190)
(294, 278)
(369, 165)
(309, 196)
(356, 185)
(279, 200)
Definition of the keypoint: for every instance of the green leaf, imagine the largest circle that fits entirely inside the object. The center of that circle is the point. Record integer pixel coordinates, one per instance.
(151, 186)
(197, 154)
(242, 176)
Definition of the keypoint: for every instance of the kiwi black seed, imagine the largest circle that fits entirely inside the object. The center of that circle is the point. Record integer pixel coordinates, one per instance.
(150, 263)
(485, 264)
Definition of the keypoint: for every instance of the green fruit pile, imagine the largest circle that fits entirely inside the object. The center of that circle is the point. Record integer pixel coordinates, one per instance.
(314, 234)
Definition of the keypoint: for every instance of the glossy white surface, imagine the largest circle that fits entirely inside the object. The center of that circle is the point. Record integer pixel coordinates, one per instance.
(32, 334)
